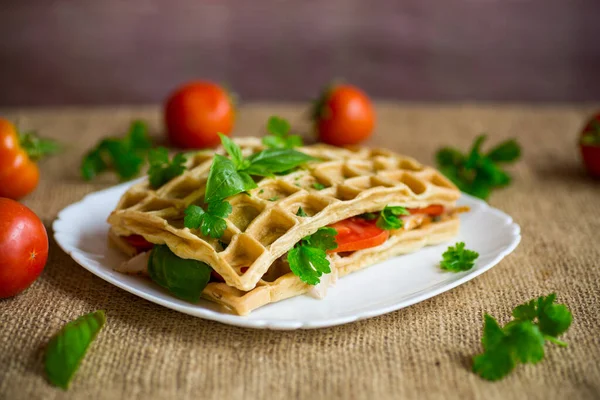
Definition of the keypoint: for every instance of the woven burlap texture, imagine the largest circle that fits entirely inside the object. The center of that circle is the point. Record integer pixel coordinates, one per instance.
(424, 351)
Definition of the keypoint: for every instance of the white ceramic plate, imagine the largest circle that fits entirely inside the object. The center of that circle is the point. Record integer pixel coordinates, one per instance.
(81, 231)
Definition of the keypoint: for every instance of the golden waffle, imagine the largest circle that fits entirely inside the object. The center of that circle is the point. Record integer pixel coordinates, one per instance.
(263, 225)
(283, 286)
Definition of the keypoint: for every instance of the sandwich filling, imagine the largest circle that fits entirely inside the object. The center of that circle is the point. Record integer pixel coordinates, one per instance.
(352, 234)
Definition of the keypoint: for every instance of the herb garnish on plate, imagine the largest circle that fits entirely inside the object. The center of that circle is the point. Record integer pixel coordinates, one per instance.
(477, 173)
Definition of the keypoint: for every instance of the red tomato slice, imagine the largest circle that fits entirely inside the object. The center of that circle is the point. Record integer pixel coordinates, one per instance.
(356, 234)
(430, 210)
(139, 243)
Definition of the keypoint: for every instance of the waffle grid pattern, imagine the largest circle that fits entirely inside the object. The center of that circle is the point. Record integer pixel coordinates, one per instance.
(263, 225)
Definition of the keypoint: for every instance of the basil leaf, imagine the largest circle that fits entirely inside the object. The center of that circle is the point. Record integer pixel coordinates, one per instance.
(68, 347)
(270, 161)
(184, 278)
(224, 180)
(278, 126)
(234, 152)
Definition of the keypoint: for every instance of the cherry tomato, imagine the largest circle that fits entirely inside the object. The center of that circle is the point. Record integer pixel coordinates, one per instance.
(589, 145)
(18, 174)
(344, 116)
(357, 234)
(139, 243)
(429, 210)
(195, 114)
(23, 247)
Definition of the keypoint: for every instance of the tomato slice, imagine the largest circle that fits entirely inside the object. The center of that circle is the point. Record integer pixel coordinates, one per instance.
(139, 243)
(357, 234)
(433, 210)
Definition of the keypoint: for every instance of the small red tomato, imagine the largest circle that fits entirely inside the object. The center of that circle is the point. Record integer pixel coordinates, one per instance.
(195, 114)
(23, 247)
(19, 175)
(344, 116)
(589, 145)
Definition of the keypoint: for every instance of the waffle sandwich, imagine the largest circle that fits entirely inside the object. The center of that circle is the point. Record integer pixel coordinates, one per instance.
(248, 261)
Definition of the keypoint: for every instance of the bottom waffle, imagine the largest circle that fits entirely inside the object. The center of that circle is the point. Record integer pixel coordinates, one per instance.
(289, 285)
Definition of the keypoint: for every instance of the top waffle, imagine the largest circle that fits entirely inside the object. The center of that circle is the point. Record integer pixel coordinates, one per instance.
(263, 225)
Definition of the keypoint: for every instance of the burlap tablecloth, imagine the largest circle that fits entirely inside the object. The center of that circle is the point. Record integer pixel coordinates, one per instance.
(424, 351)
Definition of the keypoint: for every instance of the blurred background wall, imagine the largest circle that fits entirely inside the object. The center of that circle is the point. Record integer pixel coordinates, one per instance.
(117, 51)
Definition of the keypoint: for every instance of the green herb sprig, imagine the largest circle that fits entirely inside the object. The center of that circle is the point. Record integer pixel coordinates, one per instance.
(211, 222)
(521, 340)
(280, 137)
(308, 259)
(230, 176)
(458, 259)
(477, 173)
(161, 169)
(125, 156)
(301, 212)
(388, 218)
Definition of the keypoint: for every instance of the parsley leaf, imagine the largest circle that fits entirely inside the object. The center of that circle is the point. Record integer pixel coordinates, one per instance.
(279, 137)
(184, 278)
(521, 340)
(125, 156)
(318, 186)
(211, 222)
(308, 263)
(161, 169)
(301, 212)
(477, 173)
(388, 218)
(554, 319)
(457, 258)
(323, 239)
(37, 147)
(308, 259)
(67, 348)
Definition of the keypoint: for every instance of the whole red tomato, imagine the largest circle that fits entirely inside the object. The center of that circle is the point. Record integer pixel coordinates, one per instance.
(19, 175)
(344, 116)
(589, 145)
(23, 247)
(195, 114)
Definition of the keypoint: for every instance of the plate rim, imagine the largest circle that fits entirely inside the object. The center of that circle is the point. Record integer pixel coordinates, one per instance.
(264, 323)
